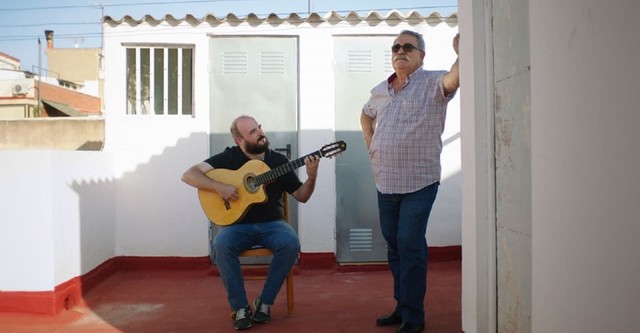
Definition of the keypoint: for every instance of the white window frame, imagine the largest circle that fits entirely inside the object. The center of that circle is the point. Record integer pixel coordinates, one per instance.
(136, 104)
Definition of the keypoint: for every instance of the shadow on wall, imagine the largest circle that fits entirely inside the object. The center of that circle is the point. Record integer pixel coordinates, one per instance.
(151, 211)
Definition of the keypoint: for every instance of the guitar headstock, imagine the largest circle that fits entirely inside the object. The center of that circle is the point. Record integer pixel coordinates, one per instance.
(333, 149)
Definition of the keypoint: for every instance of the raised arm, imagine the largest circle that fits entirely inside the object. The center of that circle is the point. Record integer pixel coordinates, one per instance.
(451, 80)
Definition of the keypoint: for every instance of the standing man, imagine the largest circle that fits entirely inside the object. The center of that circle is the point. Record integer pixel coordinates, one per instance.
(262, 224)
(402, 125)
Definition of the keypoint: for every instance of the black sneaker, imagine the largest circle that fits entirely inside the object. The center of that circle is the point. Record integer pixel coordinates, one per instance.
(262, 314)
(242, 319)
(394, 318)
(410, 328)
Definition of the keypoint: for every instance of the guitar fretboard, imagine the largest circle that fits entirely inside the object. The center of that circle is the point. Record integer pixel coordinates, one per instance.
(280, 171)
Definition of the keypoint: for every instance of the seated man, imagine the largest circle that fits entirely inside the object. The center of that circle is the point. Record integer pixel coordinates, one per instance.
(263, 224)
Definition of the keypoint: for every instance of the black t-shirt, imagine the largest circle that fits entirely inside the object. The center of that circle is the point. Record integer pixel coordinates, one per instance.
(232, 158)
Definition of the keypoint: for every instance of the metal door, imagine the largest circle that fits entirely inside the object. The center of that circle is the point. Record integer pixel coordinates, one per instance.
(361, 63)
(256, 76)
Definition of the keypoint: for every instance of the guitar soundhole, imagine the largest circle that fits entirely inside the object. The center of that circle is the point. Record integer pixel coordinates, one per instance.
(250, 183)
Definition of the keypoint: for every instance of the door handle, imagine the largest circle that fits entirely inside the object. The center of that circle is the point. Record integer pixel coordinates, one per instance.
(286, 150)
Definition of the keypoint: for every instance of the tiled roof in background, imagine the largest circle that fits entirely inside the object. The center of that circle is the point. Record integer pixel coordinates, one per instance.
(293, 18)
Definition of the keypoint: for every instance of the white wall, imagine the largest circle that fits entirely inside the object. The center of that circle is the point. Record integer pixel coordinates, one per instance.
(478, 207)
(57, 216)
(157, 214)
(169, 145)
(26, 242)
(585, 161)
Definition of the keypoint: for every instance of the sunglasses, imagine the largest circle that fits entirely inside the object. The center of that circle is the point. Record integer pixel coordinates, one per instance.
(405, 47)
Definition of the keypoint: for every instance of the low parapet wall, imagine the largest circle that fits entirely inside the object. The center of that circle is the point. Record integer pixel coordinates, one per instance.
(52, 133)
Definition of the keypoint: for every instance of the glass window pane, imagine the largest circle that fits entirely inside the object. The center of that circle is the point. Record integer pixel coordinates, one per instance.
(131, 81)
(173, 82)
(158, 81)
(145, 71)
(187, 79)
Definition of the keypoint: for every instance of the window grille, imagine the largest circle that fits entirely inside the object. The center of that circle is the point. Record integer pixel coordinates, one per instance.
(159, 80)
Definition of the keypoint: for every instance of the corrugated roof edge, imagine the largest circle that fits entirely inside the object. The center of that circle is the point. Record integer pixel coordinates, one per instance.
(332, 17)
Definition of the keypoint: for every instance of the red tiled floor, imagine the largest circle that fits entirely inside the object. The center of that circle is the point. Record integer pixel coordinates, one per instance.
(338, 300)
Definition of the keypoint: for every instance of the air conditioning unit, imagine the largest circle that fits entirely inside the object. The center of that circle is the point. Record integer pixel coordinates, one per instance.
(20, 89)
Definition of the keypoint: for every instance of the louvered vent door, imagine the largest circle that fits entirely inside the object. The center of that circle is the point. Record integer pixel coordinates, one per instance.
(361, 63)
(255, 76)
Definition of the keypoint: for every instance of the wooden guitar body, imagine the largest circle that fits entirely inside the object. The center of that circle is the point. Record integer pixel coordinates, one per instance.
(249, 181)
(224, 213)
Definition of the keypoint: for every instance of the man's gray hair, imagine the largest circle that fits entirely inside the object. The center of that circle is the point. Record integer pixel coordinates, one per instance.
(417, 36)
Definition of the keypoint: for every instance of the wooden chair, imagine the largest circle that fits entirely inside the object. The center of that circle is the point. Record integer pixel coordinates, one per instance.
(261, 252)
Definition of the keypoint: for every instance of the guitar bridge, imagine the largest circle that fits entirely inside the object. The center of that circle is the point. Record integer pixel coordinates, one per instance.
(227, 205)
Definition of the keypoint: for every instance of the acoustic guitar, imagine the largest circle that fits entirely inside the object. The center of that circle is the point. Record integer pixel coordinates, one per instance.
(250, 180)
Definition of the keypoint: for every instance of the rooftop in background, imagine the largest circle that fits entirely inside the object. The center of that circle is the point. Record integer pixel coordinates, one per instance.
(79, 25)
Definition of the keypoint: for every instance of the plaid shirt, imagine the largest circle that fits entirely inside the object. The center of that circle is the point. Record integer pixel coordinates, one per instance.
(406, 144)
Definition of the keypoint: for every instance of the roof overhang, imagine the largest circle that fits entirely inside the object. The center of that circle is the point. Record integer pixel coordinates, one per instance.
(64, 110)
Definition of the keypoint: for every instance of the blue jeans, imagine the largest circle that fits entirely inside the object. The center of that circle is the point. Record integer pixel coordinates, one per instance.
(403, 221)
(230, 241)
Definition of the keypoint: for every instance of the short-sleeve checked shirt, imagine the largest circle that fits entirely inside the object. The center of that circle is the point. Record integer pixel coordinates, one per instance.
(407, 139)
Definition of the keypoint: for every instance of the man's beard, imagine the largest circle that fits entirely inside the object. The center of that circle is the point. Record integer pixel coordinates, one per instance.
(257, 148)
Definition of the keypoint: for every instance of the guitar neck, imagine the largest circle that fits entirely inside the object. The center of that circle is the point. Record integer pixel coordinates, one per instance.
(280, 171)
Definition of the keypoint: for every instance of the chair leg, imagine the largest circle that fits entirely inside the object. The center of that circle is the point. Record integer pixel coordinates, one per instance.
(290, 292)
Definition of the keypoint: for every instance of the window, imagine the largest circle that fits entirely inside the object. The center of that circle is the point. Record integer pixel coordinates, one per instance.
(159, 80)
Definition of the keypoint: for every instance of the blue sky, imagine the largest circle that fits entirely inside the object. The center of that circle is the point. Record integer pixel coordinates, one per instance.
(77, 22)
